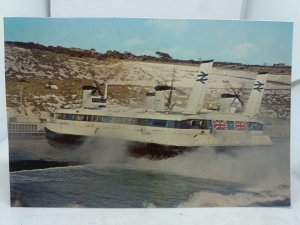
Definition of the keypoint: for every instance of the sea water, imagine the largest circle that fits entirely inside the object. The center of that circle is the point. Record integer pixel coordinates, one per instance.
(110, 178)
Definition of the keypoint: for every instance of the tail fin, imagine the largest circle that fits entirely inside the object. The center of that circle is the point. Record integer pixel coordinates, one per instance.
(253, 104)
(196, 99)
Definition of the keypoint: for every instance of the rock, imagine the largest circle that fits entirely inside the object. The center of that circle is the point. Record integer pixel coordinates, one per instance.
(20, 78)
(53, 86)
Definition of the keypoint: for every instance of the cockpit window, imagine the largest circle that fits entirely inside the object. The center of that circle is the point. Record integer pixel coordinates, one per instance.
(254, 126)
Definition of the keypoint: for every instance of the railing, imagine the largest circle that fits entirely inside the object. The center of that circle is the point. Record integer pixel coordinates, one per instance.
(25, 128)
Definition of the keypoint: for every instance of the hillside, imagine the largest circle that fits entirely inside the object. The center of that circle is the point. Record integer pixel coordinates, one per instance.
(45, 78)
(161, 57)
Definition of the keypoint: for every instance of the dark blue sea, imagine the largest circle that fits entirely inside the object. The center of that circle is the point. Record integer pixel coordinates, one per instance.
(110, 178)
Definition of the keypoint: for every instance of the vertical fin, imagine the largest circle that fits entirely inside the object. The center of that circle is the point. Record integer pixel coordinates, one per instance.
(160, 101)
(197, 96)
(254, 101)
(105, 93)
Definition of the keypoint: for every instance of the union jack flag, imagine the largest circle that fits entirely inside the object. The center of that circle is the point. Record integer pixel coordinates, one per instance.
(219, 125)
(240, 125)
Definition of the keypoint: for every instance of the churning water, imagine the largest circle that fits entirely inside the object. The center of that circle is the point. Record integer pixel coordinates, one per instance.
(111, 178)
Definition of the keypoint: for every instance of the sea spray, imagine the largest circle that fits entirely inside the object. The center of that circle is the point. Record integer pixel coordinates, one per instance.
(213, 199)
(259, 165)
(266, 166)
(263, 171)
(103, 152)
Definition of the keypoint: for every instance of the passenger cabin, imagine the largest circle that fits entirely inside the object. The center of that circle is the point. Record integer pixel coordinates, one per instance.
(177, 124)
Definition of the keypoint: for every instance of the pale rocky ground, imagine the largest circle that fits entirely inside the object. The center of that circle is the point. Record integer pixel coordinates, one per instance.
(48, 81)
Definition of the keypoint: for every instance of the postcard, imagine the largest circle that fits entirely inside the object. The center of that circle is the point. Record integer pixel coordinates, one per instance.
(142, 113)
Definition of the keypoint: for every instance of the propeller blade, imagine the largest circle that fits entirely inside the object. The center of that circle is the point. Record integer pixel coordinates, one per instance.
(242, 103)
(99, 86)
(237, 94)
(227, 95)
(234, 91)
(232, 102)
(171, 92)
(162, 87)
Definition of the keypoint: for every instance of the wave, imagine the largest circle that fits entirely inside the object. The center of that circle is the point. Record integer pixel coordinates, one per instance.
(211, 199)
(277, 197)
(74, 205)
(265, 166)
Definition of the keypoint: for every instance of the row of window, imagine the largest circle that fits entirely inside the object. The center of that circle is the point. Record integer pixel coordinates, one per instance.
(184, 124)
(21, 128)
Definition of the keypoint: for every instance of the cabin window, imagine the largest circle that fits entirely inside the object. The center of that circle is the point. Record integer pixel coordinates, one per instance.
(209, 124)
(99, 100)
(79, 117)
(143, 122)
(90, 118)
(98, 118)
(253, 126)
(10, 127)
(116, 120)
(59, 116)
(121, 120)
(135, 121)
(202, 124)
(182, 124)
(13, 127)
(191, 123)
(132, 121)
(125, 120)
(159, 123)
(170, 124)
(69, 116)
(107, 119)
(230, 125)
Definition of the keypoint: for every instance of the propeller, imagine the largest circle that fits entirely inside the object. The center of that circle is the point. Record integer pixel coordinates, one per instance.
(227, 95)
(169, 105)
(235, 95)
(162, 87)
(99, 86)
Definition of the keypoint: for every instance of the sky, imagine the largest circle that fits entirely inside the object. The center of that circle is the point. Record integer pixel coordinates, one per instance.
(237, 41)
